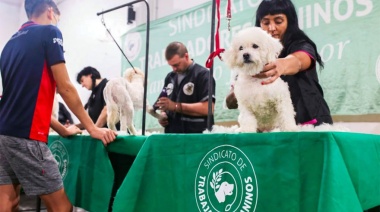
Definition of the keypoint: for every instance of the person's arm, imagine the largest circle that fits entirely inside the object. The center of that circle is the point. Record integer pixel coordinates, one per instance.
(80, 126)
(195, 109)
(62, 130)
(163, 121)
(70, 95)
(102, 119)
(231, 101)
(290, 65)
(192, 109)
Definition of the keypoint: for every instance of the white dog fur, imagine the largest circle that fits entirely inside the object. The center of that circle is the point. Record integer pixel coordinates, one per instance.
(261, 107)
(123, 96)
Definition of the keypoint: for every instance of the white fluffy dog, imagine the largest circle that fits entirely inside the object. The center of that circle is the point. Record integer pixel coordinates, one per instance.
(124, 95)
(261, 107)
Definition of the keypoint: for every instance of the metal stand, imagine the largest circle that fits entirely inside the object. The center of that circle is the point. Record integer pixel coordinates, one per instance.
(146, 51)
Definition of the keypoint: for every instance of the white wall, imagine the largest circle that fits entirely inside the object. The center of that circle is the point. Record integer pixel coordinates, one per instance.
(9, 25)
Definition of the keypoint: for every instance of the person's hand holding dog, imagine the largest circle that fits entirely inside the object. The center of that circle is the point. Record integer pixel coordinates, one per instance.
(290, 65)
(164, 104)
(163, 121)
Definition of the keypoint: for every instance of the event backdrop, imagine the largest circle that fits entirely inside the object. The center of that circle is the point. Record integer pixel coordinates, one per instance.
(345, 32)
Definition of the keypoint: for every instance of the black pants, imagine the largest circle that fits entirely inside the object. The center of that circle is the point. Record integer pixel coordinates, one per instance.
(120, 164)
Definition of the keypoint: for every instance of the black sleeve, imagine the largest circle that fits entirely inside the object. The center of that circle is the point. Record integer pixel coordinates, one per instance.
(306, 47)
(203, 83)
(64, 114)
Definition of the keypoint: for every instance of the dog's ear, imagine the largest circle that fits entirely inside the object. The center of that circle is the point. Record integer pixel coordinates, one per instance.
(275, 48)
(229, 57)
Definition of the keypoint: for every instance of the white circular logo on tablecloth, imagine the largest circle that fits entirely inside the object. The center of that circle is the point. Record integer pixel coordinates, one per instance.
(132, 45)
(61, 155)
(378, 69)
(226, 181)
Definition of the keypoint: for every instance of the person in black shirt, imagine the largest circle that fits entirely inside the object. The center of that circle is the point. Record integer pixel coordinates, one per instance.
(296, 64)
(64, 116)
(186, 104)
(91, 79)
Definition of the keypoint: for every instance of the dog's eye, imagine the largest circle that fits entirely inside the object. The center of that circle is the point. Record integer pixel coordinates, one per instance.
(255, 46)
(240, 48)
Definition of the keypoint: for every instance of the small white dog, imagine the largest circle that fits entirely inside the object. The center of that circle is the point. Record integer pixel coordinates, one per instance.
(261, 107)
(123, 96)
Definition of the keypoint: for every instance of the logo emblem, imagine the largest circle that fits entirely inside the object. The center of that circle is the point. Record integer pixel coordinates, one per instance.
(226, 181)
(188, 89)
(169, 89)
(58, 40)
(61, 156)
(132, 45)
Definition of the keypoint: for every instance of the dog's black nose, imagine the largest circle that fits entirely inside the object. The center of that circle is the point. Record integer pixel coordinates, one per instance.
(246, 56)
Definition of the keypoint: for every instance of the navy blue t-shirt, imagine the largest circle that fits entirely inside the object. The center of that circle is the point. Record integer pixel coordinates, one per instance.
(28, 83)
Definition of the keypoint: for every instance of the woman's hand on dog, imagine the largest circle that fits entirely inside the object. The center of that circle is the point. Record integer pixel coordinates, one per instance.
(290, 65)
(271, 72)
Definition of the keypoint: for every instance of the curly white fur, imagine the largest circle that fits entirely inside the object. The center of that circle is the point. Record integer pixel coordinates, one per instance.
(261, 107)
(124, 95)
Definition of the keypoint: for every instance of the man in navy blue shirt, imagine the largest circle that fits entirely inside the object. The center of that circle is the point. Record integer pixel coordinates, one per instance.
(32, 67)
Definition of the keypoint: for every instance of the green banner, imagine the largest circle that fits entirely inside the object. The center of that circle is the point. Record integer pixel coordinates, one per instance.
(344, 32)
(309, 171)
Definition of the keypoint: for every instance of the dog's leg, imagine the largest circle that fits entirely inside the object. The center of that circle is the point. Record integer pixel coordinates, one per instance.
(153, 113)
(126, 116)
(123, 118)
(112, 116)
(247, 121)
(286, 116)
(126, 121)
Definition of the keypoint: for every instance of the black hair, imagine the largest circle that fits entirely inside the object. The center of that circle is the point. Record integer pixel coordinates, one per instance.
(35, 8)
(293, 32)
(89, 71)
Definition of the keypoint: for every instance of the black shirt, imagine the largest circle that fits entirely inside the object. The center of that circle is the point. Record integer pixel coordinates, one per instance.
(96, 101)
(191, 89)
(305, 90)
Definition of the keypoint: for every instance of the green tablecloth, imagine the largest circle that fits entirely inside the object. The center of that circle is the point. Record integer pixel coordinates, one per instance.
(308, 171)
(85, 167)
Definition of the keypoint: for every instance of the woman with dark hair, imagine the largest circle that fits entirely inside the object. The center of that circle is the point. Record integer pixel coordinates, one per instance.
(296, 64)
